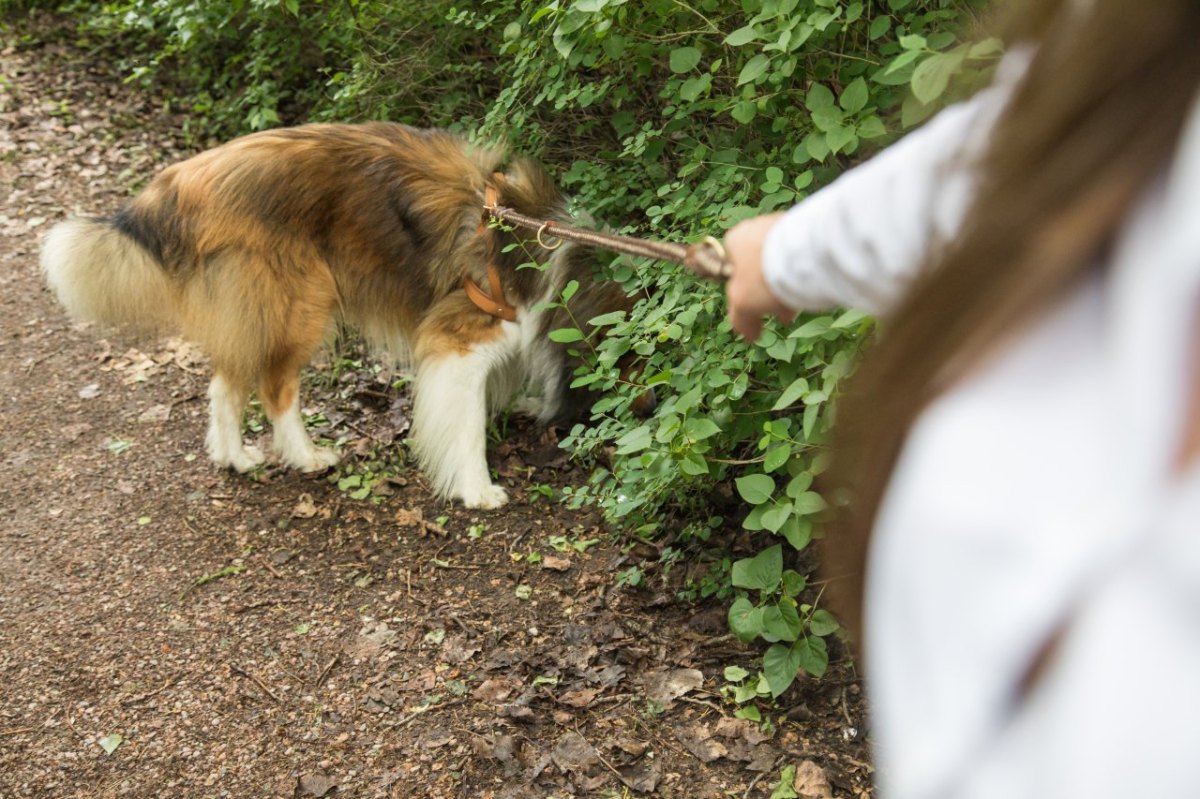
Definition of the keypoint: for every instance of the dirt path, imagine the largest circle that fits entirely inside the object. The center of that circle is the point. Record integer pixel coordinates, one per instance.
(278, 637)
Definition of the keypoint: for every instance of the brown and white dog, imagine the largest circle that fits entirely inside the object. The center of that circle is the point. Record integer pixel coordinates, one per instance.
(256, 249)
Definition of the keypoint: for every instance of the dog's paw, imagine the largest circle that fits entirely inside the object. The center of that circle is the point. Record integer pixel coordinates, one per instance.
(487, 498)
(529, 406)
(246, 459)
(316, 459)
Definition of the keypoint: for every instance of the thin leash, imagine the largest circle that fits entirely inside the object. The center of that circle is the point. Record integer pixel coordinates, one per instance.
(706, 258)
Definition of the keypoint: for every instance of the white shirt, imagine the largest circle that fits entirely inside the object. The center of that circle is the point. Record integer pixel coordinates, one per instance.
(1036, 495)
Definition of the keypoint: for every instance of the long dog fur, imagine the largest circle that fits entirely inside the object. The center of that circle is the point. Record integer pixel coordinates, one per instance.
(257, 248)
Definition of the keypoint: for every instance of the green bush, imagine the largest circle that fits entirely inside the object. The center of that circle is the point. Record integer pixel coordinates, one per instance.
(679, 120)
(667, 118)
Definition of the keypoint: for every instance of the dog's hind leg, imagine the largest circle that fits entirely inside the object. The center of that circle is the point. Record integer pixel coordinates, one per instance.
(227, 399)
(280, 395)
(308, 321)
(458, 348)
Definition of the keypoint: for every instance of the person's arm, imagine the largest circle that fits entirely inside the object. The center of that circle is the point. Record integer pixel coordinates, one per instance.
(860, 241)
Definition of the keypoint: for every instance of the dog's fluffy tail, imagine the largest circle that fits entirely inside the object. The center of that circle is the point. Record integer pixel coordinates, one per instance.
(101, 275)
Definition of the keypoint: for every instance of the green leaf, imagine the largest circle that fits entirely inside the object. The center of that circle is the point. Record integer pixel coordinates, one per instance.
(754, 69)
(761, 572)
(828, 118)
(786, 789)
(742, 36)
(816, 145)
(773, 519)
(854, 97)
(812, 328)
(569, 290)
(793, 583)
(684, 59)
(784, 348)
(793, 392)
(744, 112)
(700, 428)
(809, 503)
(293, 7)
(692, 88)
(988, 48)
(932, 76)
(781, 664)
(848, 319)
(871, 128)
(693, 464)
(799, 484)
(777, 456)
(819, 97)
(781, 622)
(823, 623)
(901, 61)
(610, 318)
(879, 26)
(842, 138)
(811, 414)
(812, 655)
(635, 440)
(755, 488)
(735, 674)
(745, 620)
(797, 531)
(566, 335)
(109, 743)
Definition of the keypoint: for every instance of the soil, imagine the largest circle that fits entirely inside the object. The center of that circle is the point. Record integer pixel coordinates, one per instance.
(168, 629)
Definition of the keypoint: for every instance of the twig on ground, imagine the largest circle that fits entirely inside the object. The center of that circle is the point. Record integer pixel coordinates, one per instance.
(414, 715)
(262, 685)
(143, 697)
(262, 603)
(328, 668)
(702, 702)
(17, 731)
(454, 566)
(778, 761)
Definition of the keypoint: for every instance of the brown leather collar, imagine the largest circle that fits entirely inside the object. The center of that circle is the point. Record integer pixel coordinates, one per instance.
(493, 304)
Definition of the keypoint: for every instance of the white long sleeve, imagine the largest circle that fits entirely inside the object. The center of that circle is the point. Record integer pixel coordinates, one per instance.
(860, 241)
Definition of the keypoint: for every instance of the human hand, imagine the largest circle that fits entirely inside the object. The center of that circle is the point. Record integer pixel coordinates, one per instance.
(750, 299)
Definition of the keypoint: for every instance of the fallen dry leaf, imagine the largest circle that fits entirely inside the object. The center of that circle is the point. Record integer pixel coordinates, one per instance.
(155, 413)
(574, 753)
(493, 689)
(410, 517)
(743, 729)
(632, 746)
(811, 782)
(305, 507)
(316, 785)
(665, 687)
(642, 777)
(415, 517)
(698, 740)
(556, 563)
(579, 698)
